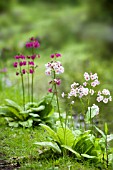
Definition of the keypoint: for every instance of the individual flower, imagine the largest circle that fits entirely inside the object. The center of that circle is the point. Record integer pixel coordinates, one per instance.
(17, 73)
(72, 102)
(104, 96)
(31, 63)
(63, 94)
(85, 84)
(15, 64)
(91, 91)
(21, 63)
(58, 55)
(23, 71)
(31, 71)
(33, 43)
(33, 57)
(105, 92)
(93, 76)
(86, 76)
(17, 57)
(55, 55)
(57, 81)
(52, 55)
(50, 90)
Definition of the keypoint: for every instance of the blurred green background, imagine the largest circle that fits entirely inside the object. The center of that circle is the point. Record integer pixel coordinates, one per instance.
(81, 30)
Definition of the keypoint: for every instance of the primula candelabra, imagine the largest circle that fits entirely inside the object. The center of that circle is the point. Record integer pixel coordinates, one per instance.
(54, 68)
(85, 91)
(26, 65)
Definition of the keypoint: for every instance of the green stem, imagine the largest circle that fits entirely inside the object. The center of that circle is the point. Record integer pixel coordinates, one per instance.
(56, 93)
(32, 80)
(83, 109)
(23, 91)
(32, 88)
(106, 153)
(28, 85)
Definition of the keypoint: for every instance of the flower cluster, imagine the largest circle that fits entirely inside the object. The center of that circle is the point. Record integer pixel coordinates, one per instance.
(33, 43)
(54, 66)
(78, 91)
(92, 79)
(55, 55)
(23, 61)
(87, 88)
(25, 64)
(104, 96)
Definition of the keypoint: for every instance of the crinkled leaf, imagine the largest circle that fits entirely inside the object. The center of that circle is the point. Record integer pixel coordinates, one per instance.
(52, 133)
(66, 136)
(13, 104)
(88, 156)
(71, 150)
(12, 112)
(27, 123)
(31, 105)
(24, 114)
(39, 108)
(13, 124)
(33, 115)
(49, 144)
(9, 119)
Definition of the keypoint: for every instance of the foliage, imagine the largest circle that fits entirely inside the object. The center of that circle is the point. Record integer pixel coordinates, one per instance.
(82, 144)
(19, 151)
(33, 114)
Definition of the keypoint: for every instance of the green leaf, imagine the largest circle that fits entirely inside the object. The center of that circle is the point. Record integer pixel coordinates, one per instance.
(71, 150)
(34, 115)
(13, 124)
(93, 114)
(52, 133)
(66, 136)
(48, 107)
(13, 104)
(109, 137)
(9, 119)
(88, 156)
(31, 105)
(49, 144)
(27, 123)
(100, 131)
(39, 108)
(14, 113)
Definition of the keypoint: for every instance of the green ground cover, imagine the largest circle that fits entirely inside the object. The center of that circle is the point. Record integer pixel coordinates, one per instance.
(57, 32)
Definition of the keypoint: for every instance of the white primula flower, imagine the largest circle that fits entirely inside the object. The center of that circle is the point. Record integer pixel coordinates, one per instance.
(105, 92)
(91, 91)
(72, 102)
(86, 76)
(63, 94)
(105, 100)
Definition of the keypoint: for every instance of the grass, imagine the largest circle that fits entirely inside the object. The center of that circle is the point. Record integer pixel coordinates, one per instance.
(17, 146)
(57, 32)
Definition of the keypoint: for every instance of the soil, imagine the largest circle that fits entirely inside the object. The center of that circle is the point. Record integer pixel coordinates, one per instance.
(5, 165)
